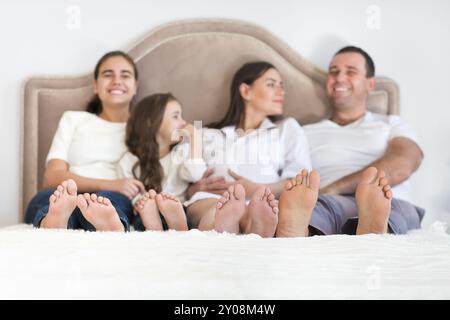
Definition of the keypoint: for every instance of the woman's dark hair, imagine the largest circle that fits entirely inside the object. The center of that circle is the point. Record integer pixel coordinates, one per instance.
(95, 104)
(141, 132)
(247, 74)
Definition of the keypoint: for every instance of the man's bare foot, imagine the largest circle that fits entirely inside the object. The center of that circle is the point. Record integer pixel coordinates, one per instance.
(263, 213)
(62, 203)
(230, 209)
(148, 211)
(297, 203)
(99, 212)
(172, 210)
(373, 198)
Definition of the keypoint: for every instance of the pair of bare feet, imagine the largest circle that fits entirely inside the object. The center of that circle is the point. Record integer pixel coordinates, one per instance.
(373, 199)
(260, 215)
(152, 204)
(97, 210)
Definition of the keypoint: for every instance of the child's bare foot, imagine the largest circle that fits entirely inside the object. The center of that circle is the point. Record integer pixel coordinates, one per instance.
(148, 211)
(62, 203)
(230, 209)
(373, 198)
(297, 203)
(99, 212)
(172, 210)
(263, 213)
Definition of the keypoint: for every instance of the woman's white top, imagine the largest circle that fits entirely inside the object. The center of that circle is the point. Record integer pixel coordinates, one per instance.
(90, 145)
(269, 154)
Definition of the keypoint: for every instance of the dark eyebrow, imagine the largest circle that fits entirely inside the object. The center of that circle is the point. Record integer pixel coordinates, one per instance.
(111, 71)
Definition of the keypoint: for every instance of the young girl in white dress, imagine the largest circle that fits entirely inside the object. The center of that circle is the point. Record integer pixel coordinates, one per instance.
(161, 161)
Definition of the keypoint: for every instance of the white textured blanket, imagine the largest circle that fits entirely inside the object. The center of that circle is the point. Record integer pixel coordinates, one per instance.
(66, 264)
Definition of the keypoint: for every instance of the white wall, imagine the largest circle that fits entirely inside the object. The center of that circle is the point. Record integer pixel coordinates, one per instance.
(411, 46)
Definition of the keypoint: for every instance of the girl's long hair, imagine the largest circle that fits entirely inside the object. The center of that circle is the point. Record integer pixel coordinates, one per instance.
(141, 138)
(95, 104)
(247, 74)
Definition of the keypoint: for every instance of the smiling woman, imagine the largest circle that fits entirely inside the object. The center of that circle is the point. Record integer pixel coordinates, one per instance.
(84, 150)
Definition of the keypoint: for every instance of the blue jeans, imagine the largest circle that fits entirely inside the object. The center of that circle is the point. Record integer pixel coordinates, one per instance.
(339, 215)
(38, 208)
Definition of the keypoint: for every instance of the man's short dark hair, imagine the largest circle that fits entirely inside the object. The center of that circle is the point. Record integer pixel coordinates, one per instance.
(370, 66)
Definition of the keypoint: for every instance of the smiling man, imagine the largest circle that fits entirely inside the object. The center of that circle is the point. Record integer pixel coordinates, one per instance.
(358, 155)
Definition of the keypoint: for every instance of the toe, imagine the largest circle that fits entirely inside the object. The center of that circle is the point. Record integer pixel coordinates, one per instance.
(82, 202)
(298, 179)
(152, 194)
(314, 180)
(369, 175)
(383, 182)
(231, 191)
(288, 185)
(52, 198)
(87, 197)
(107, 202)
(239, 192)
(259, 193)
(93, 197)
(71, 187)
(388, 194)
(305, 177)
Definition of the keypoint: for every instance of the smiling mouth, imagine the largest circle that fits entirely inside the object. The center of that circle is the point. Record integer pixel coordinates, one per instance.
(117, 92)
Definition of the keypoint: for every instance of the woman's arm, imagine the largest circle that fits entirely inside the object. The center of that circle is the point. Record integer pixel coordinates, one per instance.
(58, 170)
(250, 187)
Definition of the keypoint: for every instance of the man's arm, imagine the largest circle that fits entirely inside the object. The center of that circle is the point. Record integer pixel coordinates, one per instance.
(402, 157)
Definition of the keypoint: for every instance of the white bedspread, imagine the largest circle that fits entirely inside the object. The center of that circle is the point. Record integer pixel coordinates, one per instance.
(69, 264)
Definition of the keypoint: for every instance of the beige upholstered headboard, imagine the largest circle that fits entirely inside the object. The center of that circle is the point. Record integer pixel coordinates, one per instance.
(195, 60)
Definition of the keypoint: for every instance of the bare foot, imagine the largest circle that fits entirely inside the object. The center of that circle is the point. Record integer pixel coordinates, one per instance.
(263, 213)
(230, 209)
(148, 211)
(373, 198)
(99, 212)
(62, 203)
(297, 203)
(172, 210)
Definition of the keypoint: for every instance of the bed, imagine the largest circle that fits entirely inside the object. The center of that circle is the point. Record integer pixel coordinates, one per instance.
(195, 60)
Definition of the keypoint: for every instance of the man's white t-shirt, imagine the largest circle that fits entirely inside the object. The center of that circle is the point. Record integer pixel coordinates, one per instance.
(90, 145)
(337, 151)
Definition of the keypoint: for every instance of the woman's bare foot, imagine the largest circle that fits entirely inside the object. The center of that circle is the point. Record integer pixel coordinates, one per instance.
(230, 209)
(373, 198)
(62, 203)
(263, 213)
(172, 210)
(148, 211)
(297, 203)
(99, 212)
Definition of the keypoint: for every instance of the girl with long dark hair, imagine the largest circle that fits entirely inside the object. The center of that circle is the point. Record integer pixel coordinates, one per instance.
(83, 156)
(160, 162)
